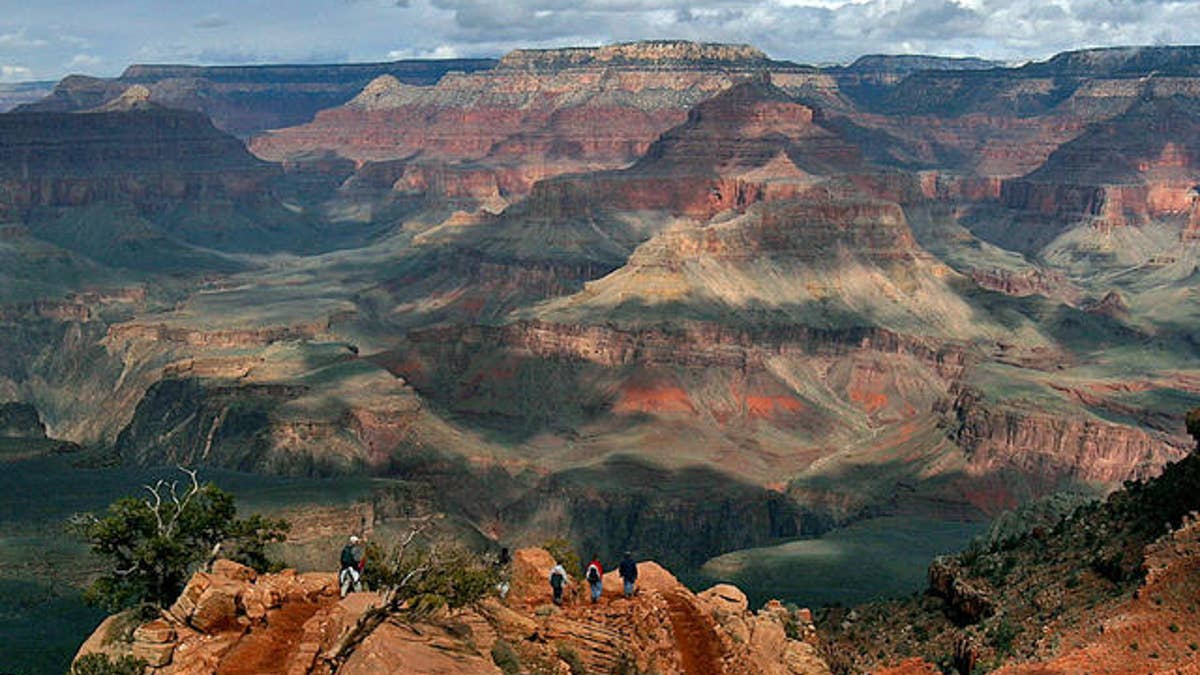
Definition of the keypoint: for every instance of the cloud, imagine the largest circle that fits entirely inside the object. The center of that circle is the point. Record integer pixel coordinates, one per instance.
(10, 73)
(438, 52)
(84, 62)
(19, 40)
(212, 21)
(807, 31)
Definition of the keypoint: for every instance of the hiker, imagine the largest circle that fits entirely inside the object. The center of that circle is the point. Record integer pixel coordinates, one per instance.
(503, 562)
(595, 577)
(628, 572)
(558, 579)
(353, 561)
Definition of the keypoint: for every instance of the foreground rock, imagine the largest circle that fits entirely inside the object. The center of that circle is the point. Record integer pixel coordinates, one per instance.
(232, 620)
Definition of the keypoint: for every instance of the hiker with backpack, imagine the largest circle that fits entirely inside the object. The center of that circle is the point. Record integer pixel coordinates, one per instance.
(558, 579)
(503, 565)
(595, 577)
(628, 572)
(353, 560)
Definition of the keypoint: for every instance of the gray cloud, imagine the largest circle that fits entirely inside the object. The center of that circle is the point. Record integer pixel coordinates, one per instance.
(34, 36)
(212, 21)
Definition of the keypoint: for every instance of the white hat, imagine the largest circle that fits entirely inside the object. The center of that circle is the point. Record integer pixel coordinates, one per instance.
(353, 539)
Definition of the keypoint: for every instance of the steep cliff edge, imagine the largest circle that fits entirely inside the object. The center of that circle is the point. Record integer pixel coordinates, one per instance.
(231, 620)
(1109, 588)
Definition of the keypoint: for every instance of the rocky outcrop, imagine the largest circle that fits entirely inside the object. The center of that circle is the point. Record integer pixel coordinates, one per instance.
(1049, 447)
(246, 100)
(1032, 281)
(967, 602)
(233, 620)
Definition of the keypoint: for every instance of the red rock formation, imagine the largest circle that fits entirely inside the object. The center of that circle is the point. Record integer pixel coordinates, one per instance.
(1045, 446)
(748, 144)
(537, 115)
(1137, 167)
(234, 621)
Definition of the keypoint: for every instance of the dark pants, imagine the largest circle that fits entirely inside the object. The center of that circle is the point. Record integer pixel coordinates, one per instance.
(557, 593)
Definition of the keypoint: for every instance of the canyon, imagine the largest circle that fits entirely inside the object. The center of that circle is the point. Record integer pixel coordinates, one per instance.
(672, 297)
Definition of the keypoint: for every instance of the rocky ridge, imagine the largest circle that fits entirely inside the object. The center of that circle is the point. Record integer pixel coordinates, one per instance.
(232, 620)
(245, 100)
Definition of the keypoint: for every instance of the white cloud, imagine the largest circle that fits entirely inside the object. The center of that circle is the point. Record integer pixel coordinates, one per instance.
(19, 40)
(438, 52)
(84, 62)
(811, 31)
(14, 73)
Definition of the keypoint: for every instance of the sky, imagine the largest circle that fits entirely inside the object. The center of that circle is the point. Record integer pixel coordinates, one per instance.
(47, 39)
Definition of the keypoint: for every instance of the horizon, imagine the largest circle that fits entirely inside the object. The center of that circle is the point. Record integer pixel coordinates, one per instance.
(48, 41)
(1011, 63)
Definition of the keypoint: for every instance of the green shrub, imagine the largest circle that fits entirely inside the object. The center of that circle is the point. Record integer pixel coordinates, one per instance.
(152, 543)
(99, 664)
(573, 660)
(564, 554)
(505, 658)
(1002, 635)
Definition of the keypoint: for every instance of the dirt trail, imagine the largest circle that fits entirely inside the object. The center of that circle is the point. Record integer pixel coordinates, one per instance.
(698, 642)
(265, 650)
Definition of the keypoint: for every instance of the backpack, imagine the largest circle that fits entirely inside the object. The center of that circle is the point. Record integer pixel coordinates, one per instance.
(593, 574)
(556, 580)
(348, 557)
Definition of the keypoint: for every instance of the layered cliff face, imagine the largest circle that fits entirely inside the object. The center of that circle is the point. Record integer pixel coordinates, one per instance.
(145, 155)
(536, 115)
(246, 100)
(1140, 166)
(234, 620)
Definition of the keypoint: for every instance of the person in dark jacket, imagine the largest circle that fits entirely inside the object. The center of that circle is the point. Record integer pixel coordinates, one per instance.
(628, 572)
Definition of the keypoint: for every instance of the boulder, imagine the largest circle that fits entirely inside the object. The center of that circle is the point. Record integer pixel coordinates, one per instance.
(155, 655)
(216, 609)
(158, 631)
(232, 570)
(530, 583)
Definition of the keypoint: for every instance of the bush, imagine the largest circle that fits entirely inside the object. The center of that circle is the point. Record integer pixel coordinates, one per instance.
(1002, 635)
(573, 660)
(505, 658)
(99, 664)
(564, 554)
(424, 578)
(152, 544)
